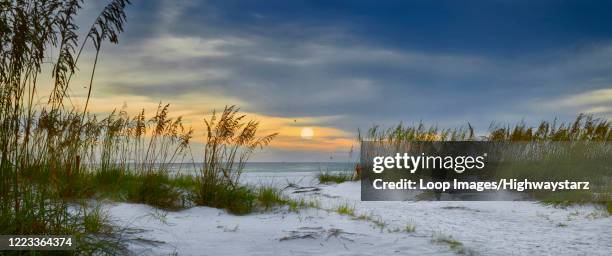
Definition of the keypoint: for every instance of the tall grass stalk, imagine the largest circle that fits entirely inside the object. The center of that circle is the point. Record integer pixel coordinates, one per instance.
(230, 140)
(582, 128)
(585, 137)
(45, 139)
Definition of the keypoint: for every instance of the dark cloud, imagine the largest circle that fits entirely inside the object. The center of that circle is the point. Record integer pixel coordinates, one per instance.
(447, 63)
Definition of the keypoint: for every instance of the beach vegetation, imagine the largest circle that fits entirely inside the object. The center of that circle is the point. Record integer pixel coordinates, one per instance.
(409, 228)
(335, 177)
(269, 197)
(56, 158)
(296, 205)
(230, 140)
(586, 136)
(362, 216)
(378, 223)
(346, 209)
(449, 240)
(43, 139)
(583, 128)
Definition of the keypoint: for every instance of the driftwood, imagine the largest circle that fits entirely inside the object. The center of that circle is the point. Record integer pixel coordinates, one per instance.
(299, 189)
(317, 232)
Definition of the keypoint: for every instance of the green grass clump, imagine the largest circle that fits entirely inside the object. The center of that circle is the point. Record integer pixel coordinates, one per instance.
(238, 200)
(269, 197)
(95, 220)
(346, 209)
(335, 177)
(154, 189)
(109, 181)
(296, 205)
(450, 241)
(409, 228)
(378, 223)
(363, 217)
(157, 189)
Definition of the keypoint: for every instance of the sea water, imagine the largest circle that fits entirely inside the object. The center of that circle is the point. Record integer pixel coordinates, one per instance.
(274, 167)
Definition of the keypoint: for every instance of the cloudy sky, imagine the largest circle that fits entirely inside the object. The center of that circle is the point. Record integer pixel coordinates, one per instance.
(337, 66)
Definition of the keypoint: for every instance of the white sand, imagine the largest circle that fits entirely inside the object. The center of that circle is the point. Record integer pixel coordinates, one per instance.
(485, 228)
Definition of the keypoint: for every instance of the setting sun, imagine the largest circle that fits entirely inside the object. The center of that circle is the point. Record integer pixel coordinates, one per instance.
(307, 133)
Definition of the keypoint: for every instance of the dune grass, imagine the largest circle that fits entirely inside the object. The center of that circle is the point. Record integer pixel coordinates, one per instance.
(230, 141)
(450, 241)
(582, 128)
(409, 228)
(588, 136)
(345, 209)
(43, 142)
(54, 157)
(335, 177)
(269, 197)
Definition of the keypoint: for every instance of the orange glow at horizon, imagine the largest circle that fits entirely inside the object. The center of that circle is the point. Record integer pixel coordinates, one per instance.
(292, 132)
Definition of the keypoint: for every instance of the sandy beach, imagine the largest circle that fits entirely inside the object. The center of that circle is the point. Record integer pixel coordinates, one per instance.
(441, 228)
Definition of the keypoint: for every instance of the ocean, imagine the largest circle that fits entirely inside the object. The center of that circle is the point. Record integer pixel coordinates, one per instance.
(277, 167)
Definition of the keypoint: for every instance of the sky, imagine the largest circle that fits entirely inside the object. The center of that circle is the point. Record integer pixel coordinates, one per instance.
(340, 66)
